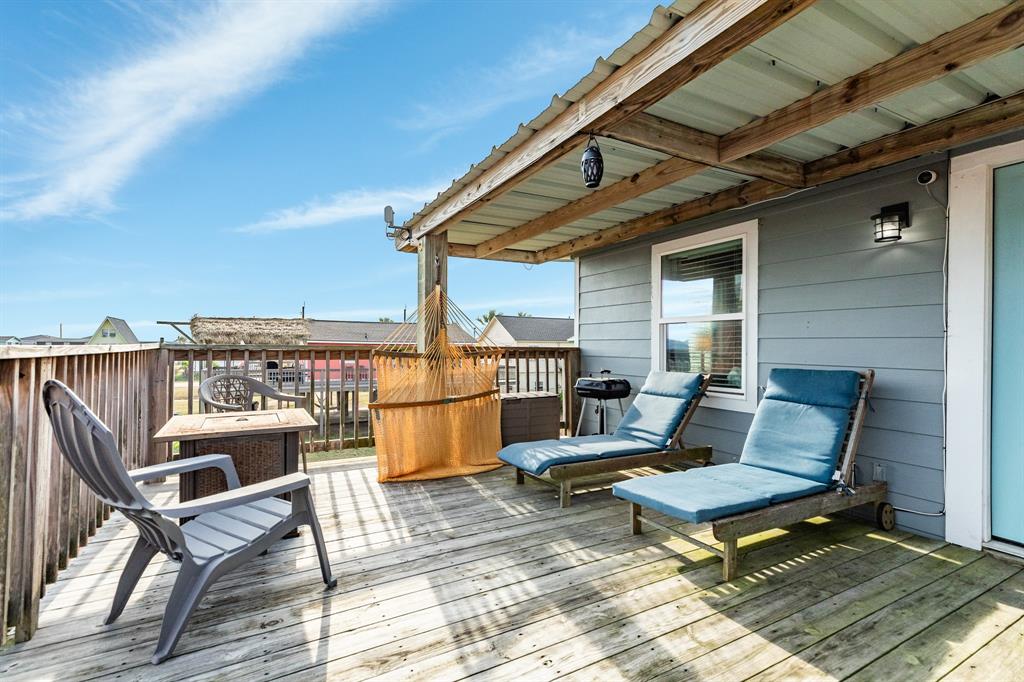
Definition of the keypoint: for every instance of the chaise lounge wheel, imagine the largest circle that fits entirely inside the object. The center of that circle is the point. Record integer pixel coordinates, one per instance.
(885, 516)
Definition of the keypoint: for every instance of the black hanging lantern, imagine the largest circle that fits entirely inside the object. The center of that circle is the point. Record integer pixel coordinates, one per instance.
(592, 164)
(890, 222)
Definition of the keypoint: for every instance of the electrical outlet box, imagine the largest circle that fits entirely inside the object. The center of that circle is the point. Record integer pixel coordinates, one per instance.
(878, 473)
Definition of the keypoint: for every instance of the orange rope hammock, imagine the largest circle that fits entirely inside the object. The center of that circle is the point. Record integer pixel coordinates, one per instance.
(437, 413)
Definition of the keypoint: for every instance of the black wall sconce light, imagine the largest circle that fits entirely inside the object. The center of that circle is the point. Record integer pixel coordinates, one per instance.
(592, 164)
(891, 221)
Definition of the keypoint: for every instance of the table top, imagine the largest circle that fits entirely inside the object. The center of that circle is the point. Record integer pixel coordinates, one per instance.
(226, 424)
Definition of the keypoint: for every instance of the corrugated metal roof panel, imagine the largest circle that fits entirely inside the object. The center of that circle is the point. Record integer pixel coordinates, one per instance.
(661, 19)
(828, 42)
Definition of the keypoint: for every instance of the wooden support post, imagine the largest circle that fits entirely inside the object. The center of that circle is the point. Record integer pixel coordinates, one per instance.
(634, 518)
(158, 409)
(729, 559)
(565, 493)
(520, 477)
(432, 259)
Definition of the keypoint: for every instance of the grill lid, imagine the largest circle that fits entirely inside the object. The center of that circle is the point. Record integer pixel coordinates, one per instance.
(602, 388)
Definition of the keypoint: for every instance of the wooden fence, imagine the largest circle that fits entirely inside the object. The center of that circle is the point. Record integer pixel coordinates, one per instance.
(47, 514)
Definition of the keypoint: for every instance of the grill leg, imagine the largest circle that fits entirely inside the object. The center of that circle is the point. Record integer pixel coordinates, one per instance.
(583, 411)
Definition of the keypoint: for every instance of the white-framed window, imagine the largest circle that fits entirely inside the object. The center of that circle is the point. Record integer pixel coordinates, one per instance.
(704, 311)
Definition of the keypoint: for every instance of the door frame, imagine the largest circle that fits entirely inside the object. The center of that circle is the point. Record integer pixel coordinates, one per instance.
(969, 349)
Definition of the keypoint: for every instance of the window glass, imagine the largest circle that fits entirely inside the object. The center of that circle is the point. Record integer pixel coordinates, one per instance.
(703, 281)
(714, 348)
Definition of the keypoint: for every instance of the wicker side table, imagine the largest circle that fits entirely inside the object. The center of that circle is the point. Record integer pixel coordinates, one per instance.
(263, 445)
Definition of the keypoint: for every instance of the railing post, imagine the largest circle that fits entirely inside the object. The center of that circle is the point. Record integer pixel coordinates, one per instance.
(8, 460)
(157, 410)
(38, 502)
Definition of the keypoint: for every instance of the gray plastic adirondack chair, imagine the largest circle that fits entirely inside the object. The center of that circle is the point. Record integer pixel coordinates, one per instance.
(229, 528)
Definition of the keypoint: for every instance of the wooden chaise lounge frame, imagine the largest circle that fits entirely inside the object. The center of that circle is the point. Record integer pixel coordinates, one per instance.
(561, 475)
(729, 529)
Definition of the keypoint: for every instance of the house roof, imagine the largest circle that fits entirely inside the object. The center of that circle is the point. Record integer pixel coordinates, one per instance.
(123, 329)
(42, 339)
(5, 339)
(554, 329)
(803, 62)
(350, 331)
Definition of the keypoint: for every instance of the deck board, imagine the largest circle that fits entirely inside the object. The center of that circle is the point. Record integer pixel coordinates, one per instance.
(441, 580)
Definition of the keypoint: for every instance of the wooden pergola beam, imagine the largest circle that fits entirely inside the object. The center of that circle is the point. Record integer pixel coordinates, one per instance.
(669, 137)
(733, 197)
(710, 34)
(657, 176)
(960, 48)
(984, 120)
(511, 255)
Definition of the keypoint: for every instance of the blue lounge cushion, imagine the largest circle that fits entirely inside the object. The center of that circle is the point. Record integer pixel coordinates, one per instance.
(689, 496)
(778, 487)
(800, 425)
(714, 492)
(648, 426)
(536, 457)
(791, 451)
(658, 409)
(824, 387)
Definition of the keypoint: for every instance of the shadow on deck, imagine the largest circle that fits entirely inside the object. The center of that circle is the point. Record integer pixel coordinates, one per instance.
(446, 579)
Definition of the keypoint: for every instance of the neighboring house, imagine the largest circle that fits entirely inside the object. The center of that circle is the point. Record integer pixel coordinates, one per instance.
(513, 330)
(47, 340)
(763, 208)
(9, 340)
(526, 374)
(113, 330)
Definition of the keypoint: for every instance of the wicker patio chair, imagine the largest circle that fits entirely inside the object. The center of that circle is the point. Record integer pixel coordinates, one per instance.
(228, 529)
(233, 393)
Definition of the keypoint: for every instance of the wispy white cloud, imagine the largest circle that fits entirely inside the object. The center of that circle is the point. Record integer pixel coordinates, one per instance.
(342, 207)
(549, 62)
(98, 130)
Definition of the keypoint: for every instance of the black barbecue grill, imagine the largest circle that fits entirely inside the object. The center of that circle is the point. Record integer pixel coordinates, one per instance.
(601, 389)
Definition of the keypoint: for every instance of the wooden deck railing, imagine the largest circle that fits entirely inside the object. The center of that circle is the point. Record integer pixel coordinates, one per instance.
(338, 381)
(47, 514)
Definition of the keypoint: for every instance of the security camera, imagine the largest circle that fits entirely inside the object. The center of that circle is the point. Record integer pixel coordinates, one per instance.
(925, 178)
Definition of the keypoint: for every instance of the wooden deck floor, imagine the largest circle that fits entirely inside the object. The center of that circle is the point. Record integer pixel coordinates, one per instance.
(476, 576)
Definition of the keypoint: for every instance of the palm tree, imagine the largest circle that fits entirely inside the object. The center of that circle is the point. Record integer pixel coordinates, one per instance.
(522, 314)
(384, 319)
(488, 316)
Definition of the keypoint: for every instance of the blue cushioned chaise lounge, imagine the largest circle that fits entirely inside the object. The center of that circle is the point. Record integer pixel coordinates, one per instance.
(649, 434)
(790, 469)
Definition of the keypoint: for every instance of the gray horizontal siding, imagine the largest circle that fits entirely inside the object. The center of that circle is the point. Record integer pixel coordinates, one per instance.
(829, 297)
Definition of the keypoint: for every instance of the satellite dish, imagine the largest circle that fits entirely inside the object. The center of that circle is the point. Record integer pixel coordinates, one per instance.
(389, 216)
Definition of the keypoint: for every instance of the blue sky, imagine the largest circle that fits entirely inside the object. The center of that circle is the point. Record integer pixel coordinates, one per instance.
(164, 159)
